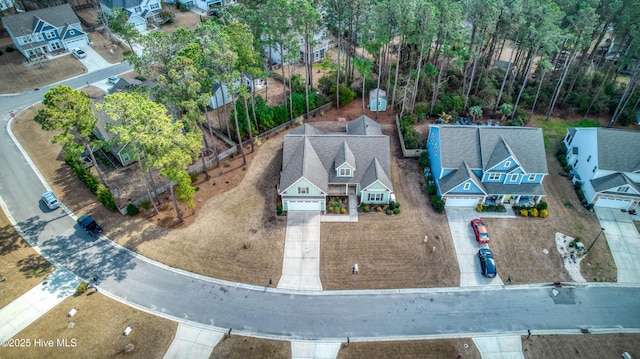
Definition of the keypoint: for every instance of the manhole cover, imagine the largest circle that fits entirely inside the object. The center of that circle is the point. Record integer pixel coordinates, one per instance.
(545, 251)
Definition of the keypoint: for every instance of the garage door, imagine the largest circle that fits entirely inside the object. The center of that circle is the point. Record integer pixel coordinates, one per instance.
(613, 203)
(304, 206)
(72, 44)
(461, 202)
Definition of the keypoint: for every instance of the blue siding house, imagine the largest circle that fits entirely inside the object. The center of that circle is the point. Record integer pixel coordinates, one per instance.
(488, 165)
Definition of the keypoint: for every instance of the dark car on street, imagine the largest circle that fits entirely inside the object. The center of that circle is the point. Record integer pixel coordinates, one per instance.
(487, 263)
(90, 225)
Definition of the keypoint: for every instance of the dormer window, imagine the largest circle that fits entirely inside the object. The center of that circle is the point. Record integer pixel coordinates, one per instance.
(467, 186)
(623, 189)
(345, 172)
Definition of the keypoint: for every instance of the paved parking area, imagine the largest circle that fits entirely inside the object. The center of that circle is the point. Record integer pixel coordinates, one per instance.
(301, 267)
(624, 242)
(467, 248)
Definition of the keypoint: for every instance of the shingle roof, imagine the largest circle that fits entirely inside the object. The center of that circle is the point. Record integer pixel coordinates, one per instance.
(345, 155)
(112, 4)
(457, 177)
(616, 180)
(312, 154)
(375, 172)
(618, 150)
(23, 23)
(523, 189)
(500, 153)
(477, 144)
(363, 125)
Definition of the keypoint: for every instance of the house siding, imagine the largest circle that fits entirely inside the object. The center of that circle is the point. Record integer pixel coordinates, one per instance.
(584, 162)
(502, 166)
(303, 183)
(432, 143)
(375, 188)
(459, 190)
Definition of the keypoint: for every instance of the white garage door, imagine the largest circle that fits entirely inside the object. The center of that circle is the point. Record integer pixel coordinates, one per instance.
(72, 44)
(613, 203)
(304, 206)
(461, 202)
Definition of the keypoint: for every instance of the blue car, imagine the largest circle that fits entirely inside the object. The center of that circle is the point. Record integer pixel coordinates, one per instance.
(487, 263)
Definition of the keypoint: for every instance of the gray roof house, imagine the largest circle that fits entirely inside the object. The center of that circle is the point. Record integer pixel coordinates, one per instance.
(141, 12)
(317, 165)
(486, 164)
(606, 162)
(51, 30)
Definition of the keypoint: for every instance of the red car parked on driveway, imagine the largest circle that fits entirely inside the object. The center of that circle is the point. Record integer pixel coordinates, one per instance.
(480, 230)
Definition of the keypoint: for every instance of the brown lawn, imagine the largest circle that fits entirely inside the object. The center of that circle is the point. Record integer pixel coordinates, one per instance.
(247, 348)
(97, 331)
(425, 349)
(589, 346)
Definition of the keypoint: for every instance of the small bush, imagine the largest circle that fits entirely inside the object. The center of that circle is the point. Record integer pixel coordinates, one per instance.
(479, 207)
(544, 213)
(431, 189)
(542, 205)
(193, 177)
(366, 208)
(533, 212)
(145, 204)
(132, 209)
(82, 287)
(578, 239)
(10, 49)
(524, 213)
(343, 210)
(279, 209)
(389, 212)
(105, 197)
(392, 205)
(378, 209)
(396, 211)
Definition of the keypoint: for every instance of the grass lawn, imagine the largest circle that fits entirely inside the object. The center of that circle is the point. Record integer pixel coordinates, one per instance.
(585, 346)
(20, 265)
(97, 331)
(246, 348)
(555, 129)
(425, 349)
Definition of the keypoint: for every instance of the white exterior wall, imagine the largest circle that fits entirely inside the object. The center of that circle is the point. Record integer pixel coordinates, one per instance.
(585, 139)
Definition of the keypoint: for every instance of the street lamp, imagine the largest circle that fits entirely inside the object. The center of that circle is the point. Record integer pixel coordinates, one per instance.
(594, 241)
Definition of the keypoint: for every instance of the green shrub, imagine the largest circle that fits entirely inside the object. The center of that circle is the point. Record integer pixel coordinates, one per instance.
(544, 213)
(542, 205)
(533, 212)
(346, 95)
(389, 212)
(524, 213)
(145, 204)
(396, 211)
(431, 189)
(132, 209)
(366, 208)
(106, 198)
(193, 177)
(479, 207)
(424, 159)
(279, 209)
(82, 287)
(437, 203)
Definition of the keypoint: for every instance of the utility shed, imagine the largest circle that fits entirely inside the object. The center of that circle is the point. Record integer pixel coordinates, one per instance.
(377, 100)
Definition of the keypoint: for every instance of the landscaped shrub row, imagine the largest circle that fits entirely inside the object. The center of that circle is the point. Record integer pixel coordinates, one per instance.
(84, 174)
(490, 208)
(540, 210)
(392, 208)
(410, 135)
(437, 203)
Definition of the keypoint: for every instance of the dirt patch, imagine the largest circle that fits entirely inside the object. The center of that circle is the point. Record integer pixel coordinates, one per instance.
(96, 332)
(182, 19)
(589, 346)
(21, 267)
(247, 347)
(425, 349)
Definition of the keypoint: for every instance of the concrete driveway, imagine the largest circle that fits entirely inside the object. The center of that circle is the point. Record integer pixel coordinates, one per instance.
(93, 61)
(301, 267)
(624, 242)
(467, 248)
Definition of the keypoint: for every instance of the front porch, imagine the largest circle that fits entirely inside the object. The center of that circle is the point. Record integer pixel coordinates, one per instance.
(346, 189)
(515, 200)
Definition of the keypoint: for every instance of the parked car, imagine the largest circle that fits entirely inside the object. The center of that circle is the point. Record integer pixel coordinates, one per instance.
(90, 225)
(113, 80)
(480, 230)
(78, 53)
(50, 200)
(487, 263)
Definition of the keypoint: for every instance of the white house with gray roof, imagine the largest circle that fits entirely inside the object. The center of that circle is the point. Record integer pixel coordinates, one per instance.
(36, 33)
(317, 165)
(141, 12)
(607, 163)
(488, 165)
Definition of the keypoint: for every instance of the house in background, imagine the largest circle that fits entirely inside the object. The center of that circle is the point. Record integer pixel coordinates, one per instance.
(607, 163)
(208, 5)
(317, 165)
(377, 100)
(488, 165)
(125, 153)
(141, 12)
(222, 96)
(52, 30)
(319, 51)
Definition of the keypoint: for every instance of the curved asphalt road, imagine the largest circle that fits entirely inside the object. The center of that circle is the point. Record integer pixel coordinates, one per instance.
(269, 312)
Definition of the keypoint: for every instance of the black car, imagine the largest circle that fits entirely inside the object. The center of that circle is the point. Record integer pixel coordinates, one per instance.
(88, 224)
(487, 263)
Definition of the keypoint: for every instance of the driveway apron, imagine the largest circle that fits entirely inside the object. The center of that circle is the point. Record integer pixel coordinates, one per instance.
(193, 342)
(624, 242)
(301, 267)
(467, 248)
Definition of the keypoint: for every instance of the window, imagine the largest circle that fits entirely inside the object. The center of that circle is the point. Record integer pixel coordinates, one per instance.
(435, 150)
(467, 186)
(344, 172)
(589, 158)
(432, 138)
(303, 190)
(514, 178)
(50, 34)
(507, 164)
(494, 176)
(532, 177)
(623, 189)
(595, 168)
(154, 6)
(55, 45)
(374, 197)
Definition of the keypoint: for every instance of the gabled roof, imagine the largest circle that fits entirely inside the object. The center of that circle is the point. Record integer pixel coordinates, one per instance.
(24, 23)
(363, 125)
(345, 155)
(112, 4)
(476, 145)
(457, 177)
(618, 150)
(310, 153)
(613, 180)
(500, 153)
(375, 172)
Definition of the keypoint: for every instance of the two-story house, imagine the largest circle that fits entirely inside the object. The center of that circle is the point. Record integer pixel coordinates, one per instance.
(209, 5)
(319, 49)
(607, 163)
(141, 12)
(489, 165)
(316, 165)
(50, 30)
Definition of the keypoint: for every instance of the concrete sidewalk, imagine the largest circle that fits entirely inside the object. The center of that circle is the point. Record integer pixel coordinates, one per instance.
(193, 342)
(25, 310)
(314, 350)
(301, 267)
